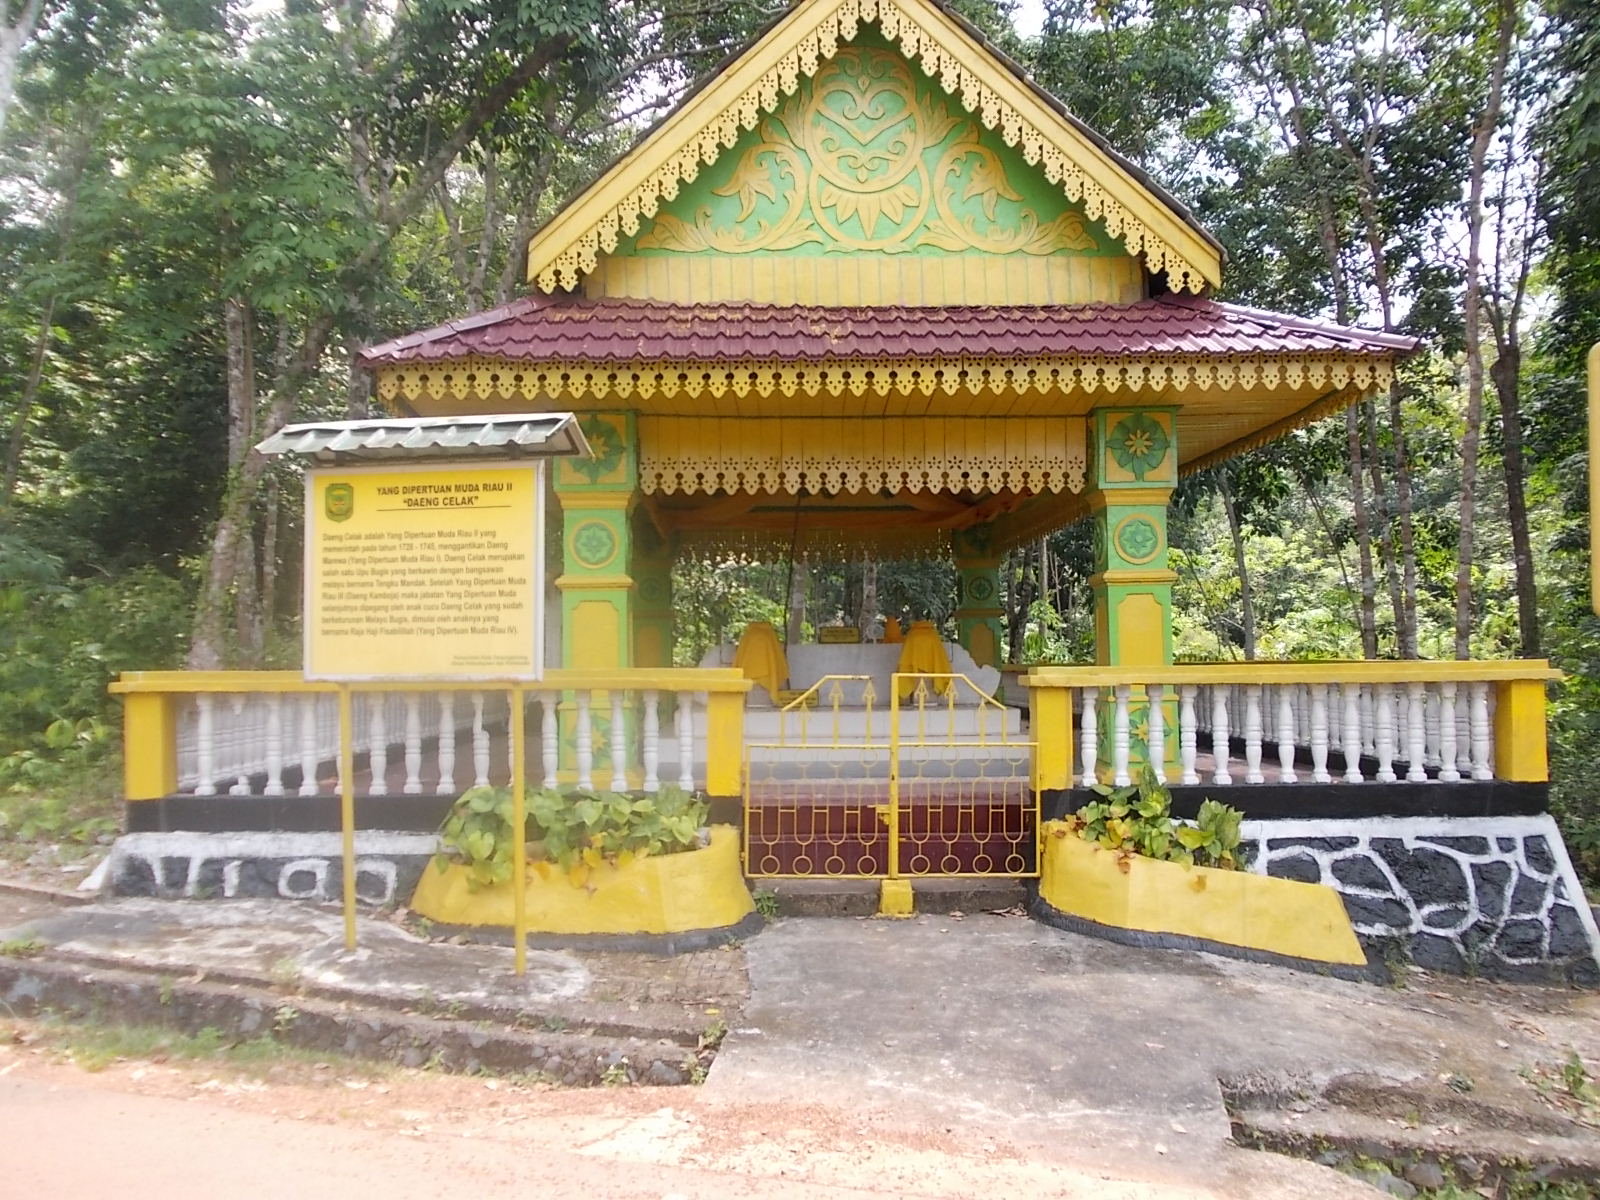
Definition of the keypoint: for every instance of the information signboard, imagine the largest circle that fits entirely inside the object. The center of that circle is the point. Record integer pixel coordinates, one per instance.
(429, 571)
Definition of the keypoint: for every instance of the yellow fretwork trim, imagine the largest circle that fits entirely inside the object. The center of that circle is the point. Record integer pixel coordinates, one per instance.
(711, 121)
(828, 455)
(488, 380)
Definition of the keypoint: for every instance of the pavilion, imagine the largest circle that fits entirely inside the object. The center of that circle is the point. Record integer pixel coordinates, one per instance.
(868, 288)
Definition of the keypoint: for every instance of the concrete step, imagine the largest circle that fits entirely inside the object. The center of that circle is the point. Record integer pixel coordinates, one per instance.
(859, 897)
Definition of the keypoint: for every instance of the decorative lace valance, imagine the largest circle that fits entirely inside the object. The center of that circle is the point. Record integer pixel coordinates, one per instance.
(484, 380)
(824, 455)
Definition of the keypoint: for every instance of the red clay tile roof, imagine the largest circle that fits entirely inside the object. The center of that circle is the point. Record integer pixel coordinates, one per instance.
(540, 328)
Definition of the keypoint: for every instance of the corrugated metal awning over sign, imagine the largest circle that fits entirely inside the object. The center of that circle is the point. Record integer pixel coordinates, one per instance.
(390, 439)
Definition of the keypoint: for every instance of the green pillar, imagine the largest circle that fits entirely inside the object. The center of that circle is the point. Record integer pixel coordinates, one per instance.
(1135, 467)
(978, 610)
(597, 496)
(1135, 453)
(652, 594)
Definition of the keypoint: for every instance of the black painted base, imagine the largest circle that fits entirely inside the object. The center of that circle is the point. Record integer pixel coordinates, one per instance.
(665, 944)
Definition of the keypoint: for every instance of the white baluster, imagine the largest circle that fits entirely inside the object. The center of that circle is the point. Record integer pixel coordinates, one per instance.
(1219, 733)
(1383, 705)
(1186, 725)
(480, 743)
(651, 741)
(1417, 748)
(377, 746)
(1449, 772)
(446, 750)
(686, 741)
(1156, 730)
(1089, 736)
(1430, 751)
(308, 745)
(1464, 732)
(1286, 735)
(1252, 734)
(585, 743)
(1350, 729)
(1369, 744)
(1335, 713)
(1119, 736)
(1318, 693)
(413, 703)
(1481, 766)
(205, 746)
(619, 744)
(520, 715)
(274, 745)
(238, 743)
(549, 733)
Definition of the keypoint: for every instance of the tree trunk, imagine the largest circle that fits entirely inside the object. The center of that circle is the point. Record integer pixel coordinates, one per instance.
(269, 555)
(13, 36)
(1483, 131)
(1023, 593)
(1406, 628)
(1358, 507)
(1247, 623)
(1505, 373)
(207, 645)
(1381, 515)
(795, 625)
(248, 636)
(868, 612)
(30, 392)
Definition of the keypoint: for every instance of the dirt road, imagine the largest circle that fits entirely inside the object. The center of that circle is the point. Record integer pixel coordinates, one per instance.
(158, 1130)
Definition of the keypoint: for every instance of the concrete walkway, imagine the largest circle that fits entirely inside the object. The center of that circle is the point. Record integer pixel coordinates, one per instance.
(1006, 1038)
(997, 1023)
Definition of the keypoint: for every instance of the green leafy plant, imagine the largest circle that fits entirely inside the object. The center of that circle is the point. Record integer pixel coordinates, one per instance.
(575, 832)
(766, 904)
(1214, 836)
(477, 833)
(1137, 819)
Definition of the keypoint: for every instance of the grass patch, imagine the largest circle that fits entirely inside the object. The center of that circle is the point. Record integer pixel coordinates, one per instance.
(30, 947)
(94, 1047)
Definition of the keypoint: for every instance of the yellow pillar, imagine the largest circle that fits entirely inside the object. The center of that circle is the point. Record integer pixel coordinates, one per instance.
(1520, 749)
(149, 745)
(724, 743)
(1050, 712)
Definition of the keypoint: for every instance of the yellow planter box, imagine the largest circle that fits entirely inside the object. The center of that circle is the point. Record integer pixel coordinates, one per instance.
(1226, 908)
(668, 893)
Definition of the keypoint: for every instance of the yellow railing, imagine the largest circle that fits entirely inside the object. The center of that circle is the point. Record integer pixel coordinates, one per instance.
(1479, 720)
(151, 720)
(934, 783)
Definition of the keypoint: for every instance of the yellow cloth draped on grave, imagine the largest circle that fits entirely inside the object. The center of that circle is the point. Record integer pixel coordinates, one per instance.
(922, 653)
(760, 656)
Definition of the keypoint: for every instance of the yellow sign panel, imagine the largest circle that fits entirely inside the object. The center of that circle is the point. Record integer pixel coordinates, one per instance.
(425, 572)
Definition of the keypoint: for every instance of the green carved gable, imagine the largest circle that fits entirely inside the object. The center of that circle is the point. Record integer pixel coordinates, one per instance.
(870, 154)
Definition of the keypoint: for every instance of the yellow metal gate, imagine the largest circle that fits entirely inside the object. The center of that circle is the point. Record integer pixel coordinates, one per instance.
(936, 779)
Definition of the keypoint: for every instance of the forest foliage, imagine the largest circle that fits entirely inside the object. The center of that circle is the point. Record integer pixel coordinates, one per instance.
(208, 206)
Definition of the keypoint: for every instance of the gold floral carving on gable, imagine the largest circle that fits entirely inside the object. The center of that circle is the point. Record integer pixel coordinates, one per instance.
(861, 159)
